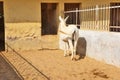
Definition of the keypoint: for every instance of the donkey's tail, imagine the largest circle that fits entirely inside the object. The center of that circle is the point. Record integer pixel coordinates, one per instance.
(76, 34)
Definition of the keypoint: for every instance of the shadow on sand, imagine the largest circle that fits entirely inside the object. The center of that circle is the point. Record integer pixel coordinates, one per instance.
(6, 71)
(81, 47)
(15, 52)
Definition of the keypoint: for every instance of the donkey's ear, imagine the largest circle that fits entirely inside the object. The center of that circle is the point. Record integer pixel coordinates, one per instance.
(60, 18)
(66, 18)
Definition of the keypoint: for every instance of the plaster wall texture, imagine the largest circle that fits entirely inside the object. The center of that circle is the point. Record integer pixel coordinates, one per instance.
(102, 46)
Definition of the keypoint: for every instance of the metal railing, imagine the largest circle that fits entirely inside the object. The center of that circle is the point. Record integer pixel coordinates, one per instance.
(99, 17)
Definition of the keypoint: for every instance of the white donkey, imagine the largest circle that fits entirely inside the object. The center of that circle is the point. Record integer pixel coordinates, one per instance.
(70, 35)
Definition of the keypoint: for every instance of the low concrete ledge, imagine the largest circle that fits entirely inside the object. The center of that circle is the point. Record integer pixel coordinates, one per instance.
(103, 46)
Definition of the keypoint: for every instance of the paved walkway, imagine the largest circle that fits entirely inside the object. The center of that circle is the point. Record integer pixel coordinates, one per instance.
(6, 71)
(25, 68)
(51, 65)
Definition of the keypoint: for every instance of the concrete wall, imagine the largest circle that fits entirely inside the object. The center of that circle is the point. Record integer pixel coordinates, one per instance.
(23, 20)
(23, 23)
(23, 29)
(21, 11)
(102, 46)
(23, 36)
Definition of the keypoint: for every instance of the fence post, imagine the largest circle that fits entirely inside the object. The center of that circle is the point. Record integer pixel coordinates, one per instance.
(97, 15)
(76, 16)
(108, 22)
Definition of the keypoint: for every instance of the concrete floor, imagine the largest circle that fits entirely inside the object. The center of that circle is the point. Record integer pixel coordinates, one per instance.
(6, 71)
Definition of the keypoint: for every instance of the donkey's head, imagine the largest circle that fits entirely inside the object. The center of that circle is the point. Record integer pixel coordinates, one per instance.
(63, 21)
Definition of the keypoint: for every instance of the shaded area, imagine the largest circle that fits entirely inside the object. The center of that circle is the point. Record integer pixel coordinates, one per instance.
(6, 71)
(49, 21)
(72, 16)
(115, 18)
(25, 61)
(2, 34)
(81, 47)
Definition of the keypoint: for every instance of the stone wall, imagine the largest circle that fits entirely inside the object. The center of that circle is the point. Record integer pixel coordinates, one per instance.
(23, 36)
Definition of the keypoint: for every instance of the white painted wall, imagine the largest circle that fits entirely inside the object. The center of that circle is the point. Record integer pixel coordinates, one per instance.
(102, 46)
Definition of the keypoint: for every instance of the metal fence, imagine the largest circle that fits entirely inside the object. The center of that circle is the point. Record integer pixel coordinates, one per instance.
(99, 17)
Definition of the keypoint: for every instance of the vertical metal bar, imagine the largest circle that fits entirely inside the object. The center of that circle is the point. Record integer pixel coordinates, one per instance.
(80, 16)
(94, 19)
(114, 17)
(76, 16)
(88, 21)
(91, 18)
(108, 18)
(111, 17)
(85, 18)
(117, 16)
(119, 19)
(97, 13)
(101, 18)
(82, 19)
(105, 18)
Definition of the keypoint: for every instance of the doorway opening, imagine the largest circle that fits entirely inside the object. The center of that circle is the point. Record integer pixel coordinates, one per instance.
(49, 16)
(2, 30)
(72, 16)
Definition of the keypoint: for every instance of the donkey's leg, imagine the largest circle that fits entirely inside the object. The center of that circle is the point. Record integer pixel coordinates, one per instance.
(75, 45)
(65, 50)
(71, 48)
(68, 49)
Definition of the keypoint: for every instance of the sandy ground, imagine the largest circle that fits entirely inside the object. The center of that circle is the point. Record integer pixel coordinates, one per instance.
(56, 67)
(6, 71)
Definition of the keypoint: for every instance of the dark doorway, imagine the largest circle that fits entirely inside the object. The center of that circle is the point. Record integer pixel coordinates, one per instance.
(72, 16)
(49, 18)
(2, 34)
